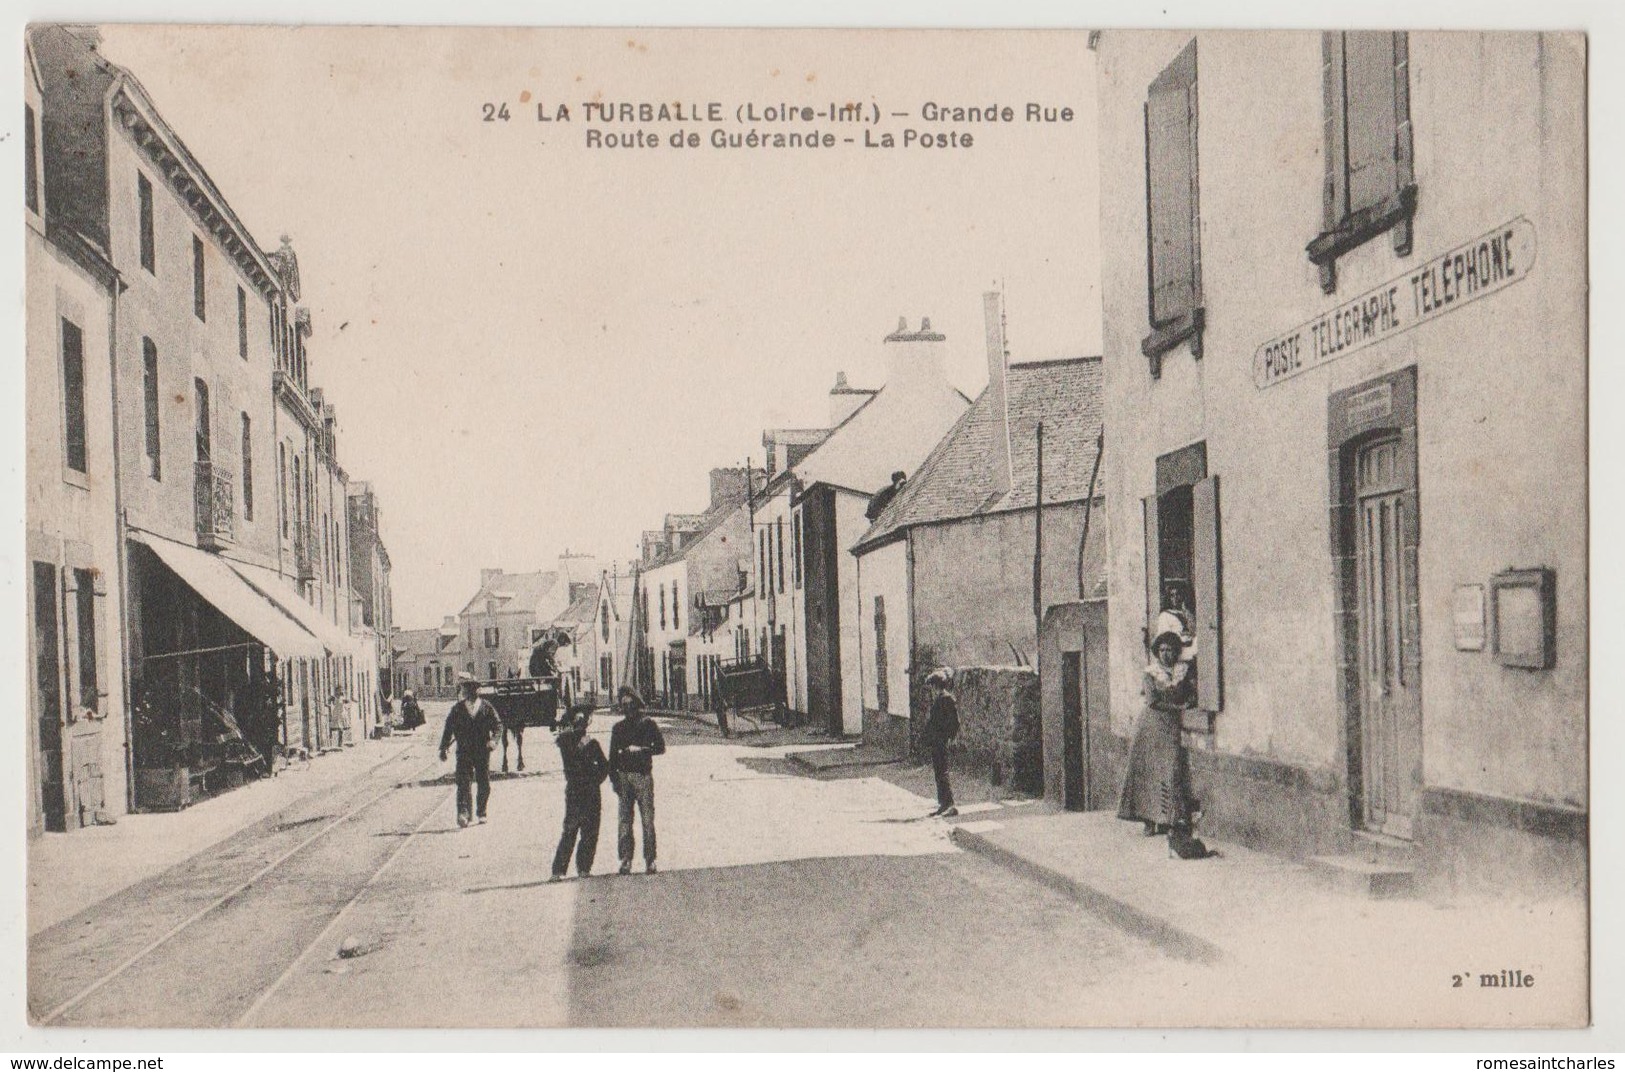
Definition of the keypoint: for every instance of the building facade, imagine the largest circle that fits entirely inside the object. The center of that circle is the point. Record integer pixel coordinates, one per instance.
(77, 717)
(811, 594)
(1347, 399)
(951, 572)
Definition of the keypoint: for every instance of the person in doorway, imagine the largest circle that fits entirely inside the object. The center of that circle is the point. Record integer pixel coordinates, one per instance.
(336, 723)
(585, 768)
(473, 724)
(260, 718)
(1156, 791)
(941, 727)
(633, 744)
(1176, 617)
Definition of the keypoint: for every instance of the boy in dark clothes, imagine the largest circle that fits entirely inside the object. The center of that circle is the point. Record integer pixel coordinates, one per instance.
(473, 724)
(633, 744)
(585, 768)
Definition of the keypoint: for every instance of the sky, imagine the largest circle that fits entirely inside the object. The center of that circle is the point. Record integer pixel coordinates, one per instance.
(535, 345)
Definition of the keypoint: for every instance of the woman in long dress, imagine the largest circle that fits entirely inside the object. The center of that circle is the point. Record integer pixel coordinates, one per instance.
(1153, 786)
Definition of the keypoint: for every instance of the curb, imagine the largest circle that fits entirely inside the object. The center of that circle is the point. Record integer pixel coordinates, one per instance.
(1171, 938)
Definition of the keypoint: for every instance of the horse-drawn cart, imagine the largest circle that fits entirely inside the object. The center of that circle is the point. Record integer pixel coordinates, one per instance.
(749, 689)
(521, 703)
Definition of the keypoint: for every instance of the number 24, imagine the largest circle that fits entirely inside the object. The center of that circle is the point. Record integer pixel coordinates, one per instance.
(493, 112)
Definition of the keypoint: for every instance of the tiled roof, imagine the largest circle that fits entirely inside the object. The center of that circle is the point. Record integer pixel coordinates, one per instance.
(583, 609)
(882, 435)
(708, 523)
(514, 591)
(958, 478)
(416, 642)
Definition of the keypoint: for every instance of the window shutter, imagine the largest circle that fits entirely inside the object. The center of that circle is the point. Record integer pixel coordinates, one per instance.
(1153, 565)
(1170, 183)
(1368, 79)
(1206, 565)
(1404, 159)
(104, 677)
(1334, 200)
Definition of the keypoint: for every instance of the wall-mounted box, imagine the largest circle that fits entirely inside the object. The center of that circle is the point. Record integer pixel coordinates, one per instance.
(1523, 618)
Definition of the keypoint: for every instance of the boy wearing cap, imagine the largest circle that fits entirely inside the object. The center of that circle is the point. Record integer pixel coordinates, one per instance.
(474, 725)
(585, 768)
(941, 728)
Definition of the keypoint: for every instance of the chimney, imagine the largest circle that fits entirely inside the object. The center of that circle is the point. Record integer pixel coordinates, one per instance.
(998, 360)
(844, 400)
(487, 576)
(915, 359)
(729, 486)
(448, 624)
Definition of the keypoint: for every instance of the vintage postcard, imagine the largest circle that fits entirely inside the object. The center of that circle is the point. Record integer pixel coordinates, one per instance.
(535, 528)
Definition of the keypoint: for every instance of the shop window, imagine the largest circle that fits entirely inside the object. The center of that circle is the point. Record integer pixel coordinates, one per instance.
(149, 251)
(1183, 559)
(1370, 183)
(1174, 261)
(73, 396)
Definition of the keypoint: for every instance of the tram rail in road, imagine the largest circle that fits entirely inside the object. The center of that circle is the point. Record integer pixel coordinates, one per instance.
(217, 934)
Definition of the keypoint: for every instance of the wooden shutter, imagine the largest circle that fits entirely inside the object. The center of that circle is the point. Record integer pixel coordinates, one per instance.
(1404, 153)
(1206, 560)
(1170, 137)
(1153, 565)
(1368, 80)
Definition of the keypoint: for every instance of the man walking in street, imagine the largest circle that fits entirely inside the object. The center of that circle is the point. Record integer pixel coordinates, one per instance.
(585, 769)
(633, 744)
(941, 728)
(473, 724)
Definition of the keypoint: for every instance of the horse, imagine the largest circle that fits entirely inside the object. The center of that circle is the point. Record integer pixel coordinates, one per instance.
(515, 715)
(516, 727)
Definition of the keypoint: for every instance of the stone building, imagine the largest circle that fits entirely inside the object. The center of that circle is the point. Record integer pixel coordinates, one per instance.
(946, 572)
(1349, 400)
(77, 716)
(369, 585)
(192, 360)
(812, 514)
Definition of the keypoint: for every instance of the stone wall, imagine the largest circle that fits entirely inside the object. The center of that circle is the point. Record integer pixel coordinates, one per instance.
(999, 726)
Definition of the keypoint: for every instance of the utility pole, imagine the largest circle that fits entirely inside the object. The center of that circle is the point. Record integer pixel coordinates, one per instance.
(1038, 542)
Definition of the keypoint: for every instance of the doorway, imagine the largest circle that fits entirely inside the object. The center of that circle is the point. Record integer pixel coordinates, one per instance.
(48, 697)
(1375, 543)
(1390, 701)
(1074, 794)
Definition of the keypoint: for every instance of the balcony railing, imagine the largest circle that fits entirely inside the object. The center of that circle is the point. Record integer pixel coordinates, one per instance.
(214, 506)
(304, 555)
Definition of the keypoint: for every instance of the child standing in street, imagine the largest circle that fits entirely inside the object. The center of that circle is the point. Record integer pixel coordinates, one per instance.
(585, 768)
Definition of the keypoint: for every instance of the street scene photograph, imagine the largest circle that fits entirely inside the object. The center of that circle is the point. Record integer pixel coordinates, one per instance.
(812, 529)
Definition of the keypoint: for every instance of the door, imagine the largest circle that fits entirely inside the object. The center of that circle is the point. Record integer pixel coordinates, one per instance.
(48, 697)
(87, 798)
(1074, 788)
(1390, 699)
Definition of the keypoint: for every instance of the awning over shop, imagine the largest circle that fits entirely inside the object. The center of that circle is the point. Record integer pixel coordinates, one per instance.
(215, 581)
(284, 595)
